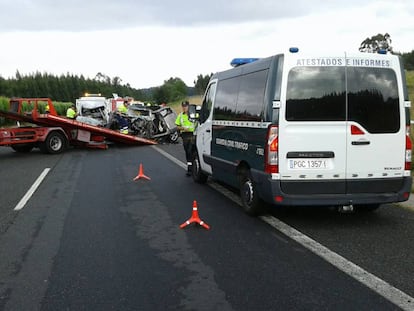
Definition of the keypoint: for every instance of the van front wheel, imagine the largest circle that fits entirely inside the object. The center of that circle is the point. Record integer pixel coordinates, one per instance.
(248, 194)
(198, 175)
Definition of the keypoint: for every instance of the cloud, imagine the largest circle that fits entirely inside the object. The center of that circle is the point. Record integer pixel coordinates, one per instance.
(91, 15)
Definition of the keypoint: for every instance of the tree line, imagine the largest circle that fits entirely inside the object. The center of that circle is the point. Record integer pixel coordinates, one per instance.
(64, 88)
(69, 87)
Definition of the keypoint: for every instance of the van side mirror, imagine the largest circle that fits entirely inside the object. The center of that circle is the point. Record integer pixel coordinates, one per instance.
(193, 112)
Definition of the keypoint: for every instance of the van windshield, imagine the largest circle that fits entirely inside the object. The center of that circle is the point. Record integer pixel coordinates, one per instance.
(365, 95)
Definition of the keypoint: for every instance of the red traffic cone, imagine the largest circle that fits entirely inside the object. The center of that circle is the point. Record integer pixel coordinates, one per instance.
(141, 174)
(195, 218)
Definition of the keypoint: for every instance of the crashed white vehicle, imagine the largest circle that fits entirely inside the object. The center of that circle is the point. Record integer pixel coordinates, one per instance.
(93, 109)
(153, 122)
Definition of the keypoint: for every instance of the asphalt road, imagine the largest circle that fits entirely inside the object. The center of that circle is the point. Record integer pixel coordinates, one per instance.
(90, 238)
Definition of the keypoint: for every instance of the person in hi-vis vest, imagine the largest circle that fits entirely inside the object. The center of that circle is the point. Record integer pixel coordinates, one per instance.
(186, 128)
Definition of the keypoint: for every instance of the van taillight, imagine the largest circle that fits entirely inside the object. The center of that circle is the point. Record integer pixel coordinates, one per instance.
(272, 148)
(408, 147)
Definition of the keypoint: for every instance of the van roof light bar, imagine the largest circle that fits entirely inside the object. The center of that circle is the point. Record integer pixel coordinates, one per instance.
(293, 50)
(242, 61)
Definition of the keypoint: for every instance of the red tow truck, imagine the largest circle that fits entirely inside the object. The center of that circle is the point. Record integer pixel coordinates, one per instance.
(53, 133)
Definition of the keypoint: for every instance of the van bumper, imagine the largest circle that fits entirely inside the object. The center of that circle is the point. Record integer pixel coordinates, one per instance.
(271, 191)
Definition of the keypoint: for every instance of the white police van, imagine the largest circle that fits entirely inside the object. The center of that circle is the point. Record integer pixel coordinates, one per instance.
(293, 129)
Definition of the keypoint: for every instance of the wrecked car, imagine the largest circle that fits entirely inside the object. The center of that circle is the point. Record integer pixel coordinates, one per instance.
(152, 122)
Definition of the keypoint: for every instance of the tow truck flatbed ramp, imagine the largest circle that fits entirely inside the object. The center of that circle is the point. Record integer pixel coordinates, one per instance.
(51, 119)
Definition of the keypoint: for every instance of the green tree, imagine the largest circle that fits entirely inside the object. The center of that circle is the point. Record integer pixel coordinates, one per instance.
(408, 60)
(173, 89)
(376, 43)
(201, 83)
(178, 89)
(101, 77)
(3, 85)
(159, 95)
(116, 81)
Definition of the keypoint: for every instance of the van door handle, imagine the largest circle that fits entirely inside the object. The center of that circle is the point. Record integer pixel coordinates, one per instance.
(359, 143)
(208, 131)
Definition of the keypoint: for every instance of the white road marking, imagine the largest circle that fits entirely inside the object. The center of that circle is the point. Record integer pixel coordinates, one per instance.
(32, 189)
(169, 156)
(386, 290)
(379, 286)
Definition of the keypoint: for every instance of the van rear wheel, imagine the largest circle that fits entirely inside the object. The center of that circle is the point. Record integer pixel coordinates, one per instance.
(248, 194)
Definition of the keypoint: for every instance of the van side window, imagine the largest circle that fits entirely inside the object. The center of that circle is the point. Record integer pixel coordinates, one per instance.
(251, 95)
(373, 99)
(226, 99)
(316, 94)
(207, 103)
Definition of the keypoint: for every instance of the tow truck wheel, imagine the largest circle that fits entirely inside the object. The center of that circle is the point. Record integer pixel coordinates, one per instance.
(248, 194)
(22, 148)
(54, 143)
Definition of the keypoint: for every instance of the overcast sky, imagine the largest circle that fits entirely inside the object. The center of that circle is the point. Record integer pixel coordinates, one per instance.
(145, 42)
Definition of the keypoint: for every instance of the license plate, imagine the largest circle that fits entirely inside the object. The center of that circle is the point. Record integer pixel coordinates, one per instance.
(310, 164)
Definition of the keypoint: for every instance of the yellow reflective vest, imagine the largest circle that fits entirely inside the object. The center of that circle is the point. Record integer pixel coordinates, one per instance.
(122, 108)
(183, 121)
(71, 113)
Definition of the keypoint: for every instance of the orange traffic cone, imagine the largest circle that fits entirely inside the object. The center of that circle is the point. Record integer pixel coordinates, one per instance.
(195, 218)
(141, 174)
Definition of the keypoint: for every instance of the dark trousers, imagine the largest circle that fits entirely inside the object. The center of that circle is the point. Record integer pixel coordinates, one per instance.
(188, 141)
(122, 122)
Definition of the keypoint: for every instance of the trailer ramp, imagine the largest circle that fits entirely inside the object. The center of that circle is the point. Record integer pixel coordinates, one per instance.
(51, 119)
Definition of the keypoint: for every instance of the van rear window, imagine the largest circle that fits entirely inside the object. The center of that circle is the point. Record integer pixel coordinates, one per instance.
(316, 94)
(373, 99)
(368, 96)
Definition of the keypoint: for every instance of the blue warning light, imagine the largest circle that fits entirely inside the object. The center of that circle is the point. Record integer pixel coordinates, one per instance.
(293, 50)
(242, 61)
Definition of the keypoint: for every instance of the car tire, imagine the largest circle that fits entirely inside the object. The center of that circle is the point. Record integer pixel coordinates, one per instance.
(55, 143)
(174, 137)
(197, 173)
(248, 194)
